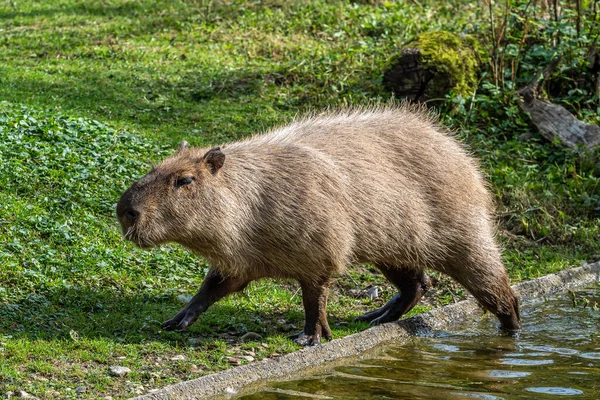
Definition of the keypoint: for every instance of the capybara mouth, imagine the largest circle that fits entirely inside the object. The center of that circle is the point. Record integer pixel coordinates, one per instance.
(141, 242)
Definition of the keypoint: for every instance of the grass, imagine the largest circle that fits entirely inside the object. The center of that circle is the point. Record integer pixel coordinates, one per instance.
(100, 90)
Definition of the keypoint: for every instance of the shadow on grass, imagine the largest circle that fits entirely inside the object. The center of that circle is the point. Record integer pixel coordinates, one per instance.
(210, 106)
(134, 320)
(149, 16)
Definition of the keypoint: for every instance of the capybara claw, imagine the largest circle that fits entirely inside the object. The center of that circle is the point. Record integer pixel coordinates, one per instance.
(369, 316)
(305, 340)
(170, 325)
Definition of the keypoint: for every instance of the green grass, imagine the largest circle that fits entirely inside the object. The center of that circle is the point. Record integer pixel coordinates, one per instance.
(98, 91)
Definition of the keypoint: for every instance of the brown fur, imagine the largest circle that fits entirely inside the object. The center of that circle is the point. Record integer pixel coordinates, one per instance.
(382, 185)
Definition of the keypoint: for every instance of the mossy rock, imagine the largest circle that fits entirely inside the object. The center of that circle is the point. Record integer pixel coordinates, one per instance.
(441, 62)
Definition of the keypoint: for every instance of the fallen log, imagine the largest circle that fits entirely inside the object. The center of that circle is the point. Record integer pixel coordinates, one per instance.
(554, 121)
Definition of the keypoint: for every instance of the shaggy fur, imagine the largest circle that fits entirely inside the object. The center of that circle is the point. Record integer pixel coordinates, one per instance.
(384, 185)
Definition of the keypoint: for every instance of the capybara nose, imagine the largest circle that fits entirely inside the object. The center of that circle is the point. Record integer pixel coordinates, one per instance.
(132, 215)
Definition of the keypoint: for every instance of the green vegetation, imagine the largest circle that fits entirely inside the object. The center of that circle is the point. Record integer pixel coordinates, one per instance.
(98, 91)
(451, 56)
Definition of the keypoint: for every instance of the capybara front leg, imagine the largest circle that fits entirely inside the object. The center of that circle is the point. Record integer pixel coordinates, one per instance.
(314, 299)
(487, 280)
(214, 288)
(502, 302)
(412, 285)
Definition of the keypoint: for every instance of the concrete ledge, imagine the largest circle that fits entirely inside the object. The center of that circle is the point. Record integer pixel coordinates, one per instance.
(310, 360)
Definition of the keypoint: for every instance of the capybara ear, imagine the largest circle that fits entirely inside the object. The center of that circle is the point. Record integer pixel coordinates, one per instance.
(214, 159)
(182, 146)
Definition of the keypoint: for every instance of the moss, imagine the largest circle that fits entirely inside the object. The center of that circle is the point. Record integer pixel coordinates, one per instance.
(454, 60)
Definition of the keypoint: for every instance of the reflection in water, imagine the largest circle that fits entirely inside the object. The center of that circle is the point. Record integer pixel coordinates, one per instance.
(556, 354)
(559, 391)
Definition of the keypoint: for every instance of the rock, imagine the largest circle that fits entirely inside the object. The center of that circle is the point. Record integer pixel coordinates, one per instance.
(119, 371)
(439, 63)
(234, 361)
(179, 357)
(247, 337)
(80, 389)
(248, 358)
(282, 324)
(25, 395)
(184, 298)
(372, 293)
(265, 345)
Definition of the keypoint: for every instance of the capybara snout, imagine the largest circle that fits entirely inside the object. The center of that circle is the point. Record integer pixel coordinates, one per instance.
(387, 186)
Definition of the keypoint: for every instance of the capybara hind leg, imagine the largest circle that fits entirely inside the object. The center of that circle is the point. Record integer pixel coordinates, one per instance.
(314, 299)
(214, 288)
(412, 285)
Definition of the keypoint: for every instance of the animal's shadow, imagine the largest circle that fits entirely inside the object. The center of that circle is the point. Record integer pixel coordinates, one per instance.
(131, 319)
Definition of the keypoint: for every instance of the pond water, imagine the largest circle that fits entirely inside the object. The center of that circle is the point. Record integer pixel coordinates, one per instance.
(557, 354)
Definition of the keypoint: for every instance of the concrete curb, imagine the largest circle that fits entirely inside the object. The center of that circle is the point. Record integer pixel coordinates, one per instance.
(331, 353)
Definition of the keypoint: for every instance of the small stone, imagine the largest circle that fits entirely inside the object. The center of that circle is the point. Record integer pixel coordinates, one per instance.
(248, 358)
(107, 398)
(265, 345)
(179, 357)
(80, 389)
(372, 293)
(283, 325)
(184, 298)
(292, 327)
(119, 371)
(10, 394)
(25, 395)
(121, 358)
(355, 293)
(234, 360)
(249, 353)
(274, 355)
(250, 336)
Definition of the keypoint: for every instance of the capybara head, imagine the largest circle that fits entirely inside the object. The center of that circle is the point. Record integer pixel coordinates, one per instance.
(157, 208)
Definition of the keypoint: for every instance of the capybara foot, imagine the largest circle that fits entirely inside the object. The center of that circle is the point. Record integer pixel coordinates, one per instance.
(304, 340)
(375, 314)
(181, 321)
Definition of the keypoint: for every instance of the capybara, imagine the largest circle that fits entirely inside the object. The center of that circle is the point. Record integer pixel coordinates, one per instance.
(384, 185)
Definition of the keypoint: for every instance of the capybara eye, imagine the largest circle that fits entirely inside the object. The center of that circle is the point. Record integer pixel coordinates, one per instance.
(184, 181)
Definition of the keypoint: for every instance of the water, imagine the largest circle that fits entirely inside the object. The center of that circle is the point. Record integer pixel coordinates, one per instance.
(556, 355)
